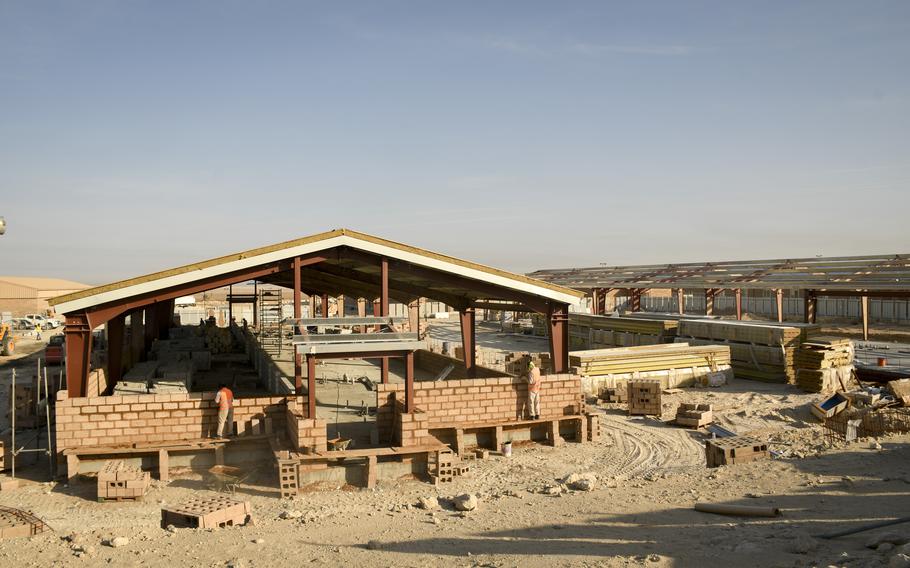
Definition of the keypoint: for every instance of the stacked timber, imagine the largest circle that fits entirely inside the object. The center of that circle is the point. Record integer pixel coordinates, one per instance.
(673, 364)
(595, 332)
(760, 351)
(824, 364)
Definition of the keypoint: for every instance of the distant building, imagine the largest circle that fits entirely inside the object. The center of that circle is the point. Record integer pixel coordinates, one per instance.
(22, 295)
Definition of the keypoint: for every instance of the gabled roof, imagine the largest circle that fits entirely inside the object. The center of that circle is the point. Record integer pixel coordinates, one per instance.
(340, 280)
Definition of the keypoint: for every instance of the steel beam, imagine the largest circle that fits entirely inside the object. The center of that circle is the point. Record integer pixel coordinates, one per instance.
(414, 317)
(680, 301)
(864, 311)
(738, 300)
(635, 299)
(298, 371)
(311, 386)
(409, 383)
(325, 305)
(779, 299)
(137, 337)
(709, 301)
(558, 317)
(115, 334)
(810, 306)
(468, 341)
(595, 301)
(78, 334)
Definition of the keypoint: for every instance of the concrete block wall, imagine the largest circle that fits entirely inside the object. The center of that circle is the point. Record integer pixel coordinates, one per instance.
(151, 418)
(305, 435)
(463, 402)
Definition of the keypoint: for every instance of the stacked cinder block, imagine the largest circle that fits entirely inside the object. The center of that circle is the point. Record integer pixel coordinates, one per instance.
(117, 481)
(414, 428)
(644, 397)
(694, 415)
(143, 419)
(206, 513)
(733, 450)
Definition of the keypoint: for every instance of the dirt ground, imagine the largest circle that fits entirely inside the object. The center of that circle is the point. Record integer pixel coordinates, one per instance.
(640, 512)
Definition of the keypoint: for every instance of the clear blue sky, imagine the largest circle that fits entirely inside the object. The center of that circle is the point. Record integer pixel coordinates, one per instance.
(138, 135)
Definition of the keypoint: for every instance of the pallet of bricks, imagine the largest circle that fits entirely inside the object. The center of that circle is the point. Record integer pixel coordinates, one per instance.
(824, 364)
(733, 450)
(758, 351)
(644, 397)
(206, 513)
(694, 415)
(593, 332)
(672, 364)
(118, 481)
(444, 466)
(516, 362)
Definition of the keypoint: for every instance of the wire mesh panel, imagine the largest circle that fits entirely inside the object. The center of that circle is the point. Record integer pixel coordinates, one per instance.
(858, 423)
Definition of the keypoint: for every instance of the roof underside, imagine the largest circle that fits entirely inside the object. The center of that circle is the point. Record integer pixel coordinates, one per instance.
(344, 262)
(881, 273)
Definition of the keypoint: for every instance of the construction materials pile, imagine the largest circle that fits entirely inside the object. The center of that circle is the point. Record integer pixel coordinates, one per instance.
(824, 364)
(672, 364)
(516, 362)
(594, 332)
(759, 351)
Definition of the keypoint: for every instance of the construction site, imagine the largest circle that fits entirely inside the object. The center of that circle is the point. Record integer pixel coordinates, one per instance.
(343, 398)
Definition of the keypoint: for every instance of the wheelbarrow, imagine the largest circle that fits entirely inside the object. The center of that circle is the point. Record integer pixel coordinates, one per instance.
(227, 478)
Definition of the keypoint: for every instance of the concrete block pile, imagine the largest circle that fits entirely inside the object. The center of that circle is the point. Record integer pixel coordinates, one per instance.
(117, 481)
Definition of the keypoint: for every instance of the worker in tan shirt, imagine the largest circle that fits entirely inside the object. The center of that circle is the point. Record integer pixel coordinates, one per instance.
(224, 398)
(533, 379)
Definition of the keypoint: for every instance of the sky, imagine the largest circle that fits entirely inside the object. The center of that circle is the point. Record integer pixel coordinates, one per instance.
(140, 135)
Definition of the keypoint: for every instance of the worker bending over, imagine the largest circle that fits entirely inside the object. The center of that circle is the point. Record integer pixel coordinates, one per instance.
(224, 398)
(533, 378)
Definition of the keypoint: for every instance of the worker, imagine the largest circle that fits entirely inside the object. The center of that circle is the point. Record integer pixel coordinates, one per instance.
(224, 398)
(533, 379)
(38, 331)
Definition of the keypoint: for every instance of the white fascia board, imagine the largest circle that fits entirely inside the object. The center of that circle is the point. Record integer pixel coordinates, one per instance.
(341, 240)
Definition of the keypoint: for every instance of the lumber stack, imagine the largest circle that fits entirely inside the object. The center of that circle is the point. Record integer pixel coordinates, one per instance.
(824, 364)
(594, 332)
(673, 364)
(760, 351)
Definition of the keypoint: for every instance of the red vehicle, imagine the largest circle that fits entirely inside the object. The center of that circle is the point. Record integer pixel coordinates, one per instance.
(53, 353)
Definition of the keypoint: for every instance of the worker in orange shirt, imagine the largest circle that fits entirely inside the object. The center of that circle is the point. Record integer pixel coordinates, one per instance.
(533, 379)
(224, 398)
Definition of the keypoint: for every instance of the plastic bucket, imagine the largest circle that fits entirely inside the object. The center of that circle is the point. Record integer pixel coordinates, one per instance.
(507, 449)
(882, 362)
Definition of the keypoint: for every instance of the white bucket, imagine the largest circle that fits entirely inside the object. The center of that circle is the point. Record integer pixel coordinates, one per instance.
(507, 449)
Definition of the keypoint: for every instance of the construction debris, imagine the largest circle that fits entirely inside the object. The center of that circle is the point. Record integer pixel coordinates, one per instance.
(830, 406)
(901, 390)
(15, 523)
(737, 510)
(694, 415)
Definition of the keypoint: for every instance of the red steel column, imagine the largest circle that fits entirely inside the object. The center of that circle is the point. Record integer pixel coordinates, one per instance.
(115, 350)
(384, 309)
(78, 351)
(709, 301)
(468, 341)
(409, 383)
(738, 299)
(680, 301)
(325, 305)
(414, 317)
(151, 327)
(313, 305)
(137, 337)
(864, 311)
(311, 385)
(164, 315)
(779, 298)
(298, 371)
(595, 301)
(810, 306)
(559, 337)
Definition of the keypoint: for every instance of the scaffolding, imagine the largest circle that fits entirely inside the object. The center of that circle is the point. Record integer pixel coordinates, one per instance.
(270, 321)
